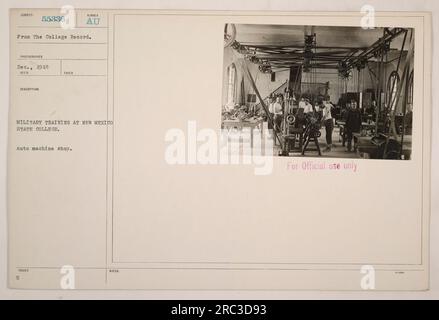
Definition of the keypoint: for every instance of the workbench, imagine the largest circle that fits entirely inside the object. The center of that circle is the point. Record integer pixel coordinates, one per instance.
(240, 124)
(365, 145)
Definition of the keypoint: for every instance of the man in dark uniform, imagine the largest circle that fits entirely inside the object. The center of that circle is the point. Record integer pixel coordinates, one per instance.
(353, 123)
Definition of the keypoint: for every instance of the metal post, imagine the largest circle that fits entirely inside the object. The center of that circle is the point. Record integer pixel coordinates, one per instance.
(253, 84)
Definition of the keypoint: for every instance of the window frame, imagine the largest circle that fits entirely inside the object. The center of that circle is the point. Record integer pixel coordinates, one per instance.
(392, 91)
(231, 84)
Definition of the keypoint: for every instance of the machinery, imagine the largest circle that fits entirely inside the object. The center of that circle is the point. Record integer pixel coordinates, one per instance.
(352, 64)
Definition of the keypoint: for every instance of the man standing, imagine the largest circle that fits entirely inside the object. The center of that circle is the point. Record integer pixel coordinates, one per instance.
(302, 103)
(277, 111)
(353, 123)
(328, 122)
(308, 107)
(270, 110)
(370, 111)
(343, 116)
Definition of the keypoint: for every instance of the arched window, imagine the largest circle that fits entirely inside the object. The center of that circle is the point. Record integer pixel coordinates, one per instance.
(410, 90)
(392, 89)
(231, 84)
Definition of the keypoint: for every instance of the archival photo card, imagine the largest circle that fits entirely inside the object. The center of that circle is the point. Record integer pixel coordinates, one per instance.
(320, 91)
(211, 150)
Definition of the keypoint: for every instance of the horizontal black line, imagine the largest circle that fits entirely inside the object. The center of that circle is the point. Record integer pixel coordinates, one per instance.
(258, 13)
(91, 268)
(61, 75)
(56, 27)
(272, 263)
(214, 268)
(250, 13)
(69, 59)
(239, 13)
(25, 42)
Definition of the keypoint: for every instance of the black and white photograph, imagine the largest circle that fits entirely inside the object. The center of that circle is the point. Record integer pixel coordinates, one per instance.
(321, 91)
(240, 153)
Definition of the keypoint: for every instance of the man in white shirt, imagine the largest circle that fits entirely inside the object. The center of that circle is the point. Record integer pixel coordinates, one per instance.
(270, 105)
(328, 123)
(270, 110)
(308, 107)
(277, 107)
(277, 112)
(302, 103)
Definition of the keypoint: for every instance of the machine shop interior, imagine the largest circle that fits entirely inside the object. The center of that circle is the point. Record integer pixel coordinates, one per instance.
(316, 91)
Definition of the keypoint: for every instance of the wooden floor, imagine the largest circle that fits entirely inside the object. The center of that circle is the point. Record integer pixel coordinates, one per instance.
(337, 151)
